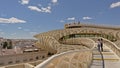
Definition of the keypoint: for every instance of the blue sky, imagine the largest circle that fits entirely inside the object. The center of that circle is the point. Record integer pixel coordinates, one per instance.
(25, 18)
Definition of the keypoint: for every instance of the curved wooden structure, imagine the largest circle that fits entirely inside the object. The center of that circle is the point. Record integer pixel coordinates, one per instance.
(76, 36)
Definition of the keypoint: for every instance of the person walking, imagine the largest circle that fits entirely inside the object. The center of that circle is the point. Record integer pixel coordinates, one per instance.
(99, 45)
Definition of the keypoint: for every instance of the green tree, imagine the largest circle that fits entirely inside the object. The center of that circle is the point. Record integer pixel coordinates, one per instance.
(5, 44)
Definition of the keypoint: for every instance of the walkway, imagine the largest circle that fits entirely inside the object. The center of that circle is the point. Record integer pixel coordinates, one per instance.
(110, 59)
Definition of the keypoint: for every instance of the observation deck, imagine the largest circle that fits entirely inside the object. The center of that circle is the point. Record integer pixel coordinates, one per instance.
(79, 25)
(75, 47)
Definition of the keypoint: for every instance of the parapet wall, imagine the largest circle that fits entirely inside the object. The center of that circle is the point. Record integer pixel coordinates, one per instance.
(113, 47)
(71, 59)
(20, 58)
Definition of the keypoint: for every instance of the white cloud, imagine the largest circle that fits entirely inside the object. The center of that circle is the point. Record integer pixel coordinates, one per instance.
(86, 18)
(54, 1)
(24, 2)
(47, 9)
(35, 8)
(72, 18)
(11, 20)
(39, 7)
(114, 5)
(42, 9)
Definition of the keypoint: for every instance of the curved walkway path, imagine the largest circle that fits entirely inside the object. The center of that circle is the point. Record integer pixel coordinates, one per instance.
(111, 60)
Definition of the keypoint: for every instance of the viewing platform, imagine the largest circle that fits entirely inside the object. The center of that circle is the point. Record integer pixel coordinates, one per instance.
(79, 25)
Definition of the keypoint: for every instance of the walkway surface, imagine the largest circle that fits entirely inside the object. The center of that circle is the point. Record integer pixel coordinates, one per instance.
(110, 59)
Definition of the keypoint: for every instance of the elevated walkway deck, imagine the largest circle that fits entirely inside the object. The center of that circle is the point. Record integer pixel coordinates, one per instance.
(110, 59)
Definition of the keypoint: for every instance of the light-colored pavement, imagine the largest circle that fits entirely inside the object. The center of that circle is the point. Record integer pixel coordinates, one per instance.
(111, 60)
